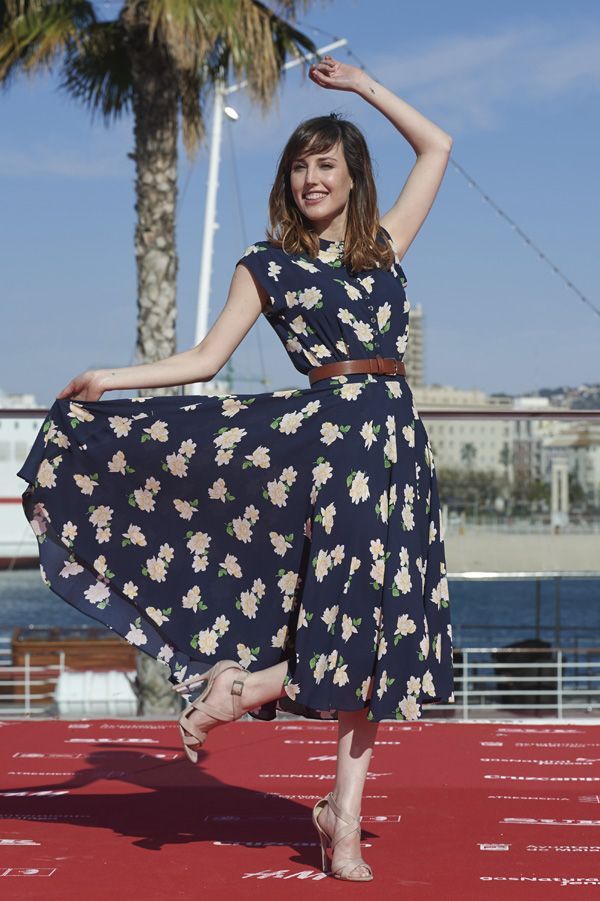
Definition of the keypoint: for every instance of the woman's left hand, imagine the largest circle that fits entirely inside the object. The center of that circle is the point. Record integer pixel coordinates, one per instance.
(330, 73)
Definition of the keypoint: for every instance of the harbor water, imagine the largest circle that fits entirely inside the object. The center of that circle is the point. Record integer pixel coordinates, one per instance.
(485, 613)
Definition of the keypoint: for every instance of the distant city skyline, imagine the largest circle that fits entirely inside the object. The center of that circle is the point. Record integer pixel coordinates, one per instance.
(517, 89)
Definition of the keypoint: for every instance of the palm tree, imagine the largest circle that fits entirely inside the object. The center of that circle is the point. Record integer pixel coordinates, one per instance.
(468, 453)
(159, 59)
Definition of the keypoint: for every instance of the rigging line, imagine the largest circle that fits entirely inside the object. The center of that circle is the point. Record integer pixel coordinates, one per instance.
(242, 221)
(527, 240)
(557, 271)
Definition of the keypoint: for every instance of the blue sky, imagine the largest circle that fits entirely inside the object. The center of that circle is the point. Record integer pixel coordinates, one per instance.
(517, 85)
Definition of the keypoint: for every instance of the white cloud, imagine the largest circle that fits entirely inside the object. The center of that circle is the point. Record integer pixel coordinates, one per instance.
(465, 81)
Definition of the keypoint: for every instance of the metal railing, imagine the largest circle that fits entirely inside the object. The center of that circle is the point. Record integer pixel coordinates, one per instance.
(505, 683)
(490, 683)
(28, 689)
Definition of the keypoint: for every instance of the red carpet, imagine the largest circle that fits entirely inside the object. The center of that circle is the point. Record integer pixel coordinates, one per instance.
(95, 810)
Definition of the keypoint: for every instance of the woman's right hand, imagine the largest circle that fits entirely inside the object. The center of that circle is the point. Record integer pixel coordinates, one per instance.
(86, 386)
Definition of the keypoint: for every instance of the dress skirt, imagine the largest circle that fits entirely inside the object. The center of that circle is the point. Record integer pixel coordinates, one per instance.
(301, 525)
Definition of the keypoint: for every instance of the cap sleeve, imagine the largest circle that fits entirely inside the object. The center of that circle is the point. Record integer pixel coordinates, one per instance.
(260, 260)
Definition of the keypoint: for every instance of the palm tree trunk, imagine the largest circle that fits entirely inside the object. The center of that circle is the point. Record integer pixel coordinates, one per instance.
(155, 107)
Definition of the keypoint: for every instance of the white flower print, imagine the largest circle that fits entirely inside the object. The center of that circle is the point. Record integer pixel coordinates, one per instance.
(432, 532)
(329, 616)
(45, 475)
(158, 431)
(351, 391)
(280, 543)
(348, 627)
(274, 270)
(136, 635)
(368, 433)
(218, 491)
(383, 315)
(363, 331)
(352, 292)
(359, 488)
(402, 580)
(121, 425)
(304, 264)
(290, 423)
(405, 625)
(184, 508)
(322, 473)
(298, 325)
(340, 676)
(260, 457)
(409, 708)
(245, 655)
(85, 483)
(208, 641)
(191, 600)
(320, 668)
(118, 463)
(279, 640)
(177, 464)
(97, 593)
(310, 297)
(130, 590)
(409, 433)
(69, 532)
(71, 569)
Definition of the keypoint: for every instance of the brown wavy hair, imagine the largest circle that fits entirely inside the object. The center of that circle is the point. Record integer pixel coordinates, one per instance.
(365, 244)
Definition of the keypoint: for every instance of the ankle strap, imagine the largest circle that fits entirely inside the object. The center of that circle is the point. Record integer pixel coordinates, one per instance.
(342, 814)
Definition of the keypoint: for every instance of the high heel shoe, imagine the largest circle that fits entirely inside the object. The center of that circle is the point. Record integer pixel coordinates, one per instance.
(187, 730)
(351, 863)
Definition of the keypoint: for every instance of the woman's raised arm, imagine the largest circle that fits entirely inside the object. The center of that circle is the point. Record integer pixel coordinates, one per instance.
(431, 144)
(244, 304)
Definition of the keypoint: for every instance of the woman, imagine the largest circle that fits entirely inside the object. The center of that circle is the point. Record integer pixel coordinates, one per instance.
(314, 524)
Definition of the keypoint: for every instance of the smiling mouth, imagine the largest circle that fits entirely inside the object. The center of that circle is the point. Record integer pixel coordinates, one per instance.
(313, 197)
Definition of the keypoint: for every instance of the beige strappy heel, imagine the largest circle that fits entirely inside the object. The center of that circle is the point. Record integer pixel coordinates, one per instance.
(351, 863)
(193, 737)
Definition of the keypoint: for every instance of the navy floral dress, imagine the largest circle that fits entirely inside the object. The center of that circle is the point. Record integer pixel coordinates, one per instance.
(300, 525)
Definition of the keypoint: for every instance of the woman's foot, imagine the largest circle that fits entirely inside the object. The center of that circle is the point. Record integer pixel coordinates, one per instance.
(221, 696)
(348, 847)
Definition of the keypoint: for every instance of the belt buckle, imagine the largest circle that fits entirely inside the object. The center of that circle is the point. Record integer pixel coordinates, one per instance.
(395, 366)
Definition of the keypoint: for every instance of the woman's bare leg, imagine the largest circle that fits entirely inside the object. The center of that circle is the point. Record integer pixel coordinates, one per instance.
(356, 737)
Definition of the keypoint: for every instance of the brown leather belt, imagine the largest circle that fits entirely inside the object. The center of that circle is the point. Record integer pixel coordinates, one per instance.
(376, 365)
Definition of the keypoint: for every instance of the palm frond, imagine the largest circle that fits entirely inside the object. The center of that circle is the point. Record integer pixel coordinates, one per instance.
(97, 71)
(35, 33)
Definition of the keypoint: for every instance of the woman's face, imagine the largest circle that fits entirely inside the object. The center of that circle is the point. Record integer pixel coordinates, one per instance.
(320, 184)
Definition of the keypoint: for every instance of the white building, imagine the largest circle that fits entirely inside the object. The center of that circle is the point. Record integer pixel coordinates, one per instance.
(487, 440)
(414, 356)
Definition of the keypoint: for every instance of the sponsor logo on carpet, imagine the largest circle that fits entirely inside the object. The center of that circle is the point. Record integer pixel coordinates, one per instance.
(579, 761)
(526, 798)
(560, 880)
(18, 841)
(111, 741)
(532, 821)
(491, 846)
(544, 778)
(41, 794)
(578, 849)
(318, 776)
(285, 874)
(27, 871)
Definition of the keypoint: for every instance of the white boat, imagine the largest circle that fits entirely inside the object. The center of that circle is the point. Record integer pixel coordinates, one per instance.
(20, 420)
